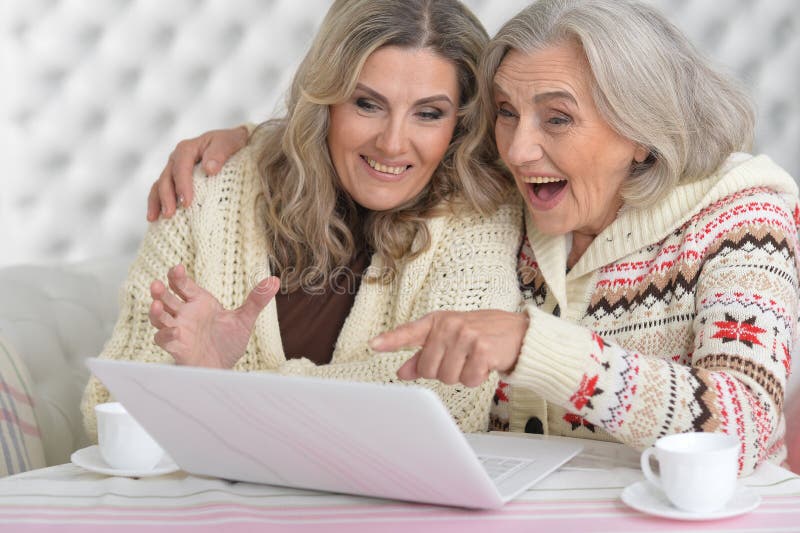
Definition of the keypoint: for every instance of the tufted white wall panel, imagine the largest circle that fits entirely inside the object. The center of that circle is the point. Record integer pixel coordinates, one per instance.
(94, 93)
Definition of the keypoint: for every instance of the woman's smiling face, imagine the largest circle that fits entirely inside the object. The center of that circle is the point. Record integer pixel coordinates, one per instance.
(387, 140)
(567, 161)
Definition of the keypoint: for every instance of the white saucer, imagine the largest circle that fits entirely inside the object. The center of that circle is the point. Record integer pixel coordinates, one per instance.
(90, 459)
(647, 498)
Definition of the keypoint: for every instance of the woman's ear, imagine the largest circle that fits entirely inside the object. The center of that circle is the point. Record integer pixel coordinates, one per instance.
(641, 153)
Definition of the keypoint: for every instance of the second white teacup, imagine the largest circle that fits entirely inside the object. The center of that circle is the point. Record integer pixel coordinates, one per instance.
(697, 470)
(124, 443)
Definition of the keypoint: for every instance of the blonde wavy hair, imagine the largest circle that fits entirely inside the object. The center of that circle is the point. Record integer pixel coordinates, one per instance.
(309, 215)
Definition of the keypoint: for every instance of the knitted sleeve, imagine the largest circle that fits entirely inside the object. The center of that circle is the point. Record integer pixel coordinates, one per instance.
(473, 268)
(731, 378)
(167, 242)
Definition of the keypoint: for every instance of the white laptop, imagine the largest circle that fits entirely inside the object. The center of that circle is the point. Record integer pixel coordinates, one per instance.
(389, 441)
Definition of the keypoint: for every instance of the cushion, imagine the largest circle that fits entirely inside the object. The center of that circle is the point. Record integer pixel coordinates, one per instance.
(20, 440)
(55, 316)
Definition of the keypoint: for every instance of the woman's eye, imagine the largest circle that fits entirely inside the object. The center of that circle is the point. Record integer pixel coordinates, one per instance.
(504, 112)
(366, 104)
(559, 119)
(430, 114)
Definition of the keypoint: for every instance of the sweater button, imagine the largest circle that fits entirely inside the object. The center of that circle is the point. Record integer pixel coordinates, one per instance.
(534, 425)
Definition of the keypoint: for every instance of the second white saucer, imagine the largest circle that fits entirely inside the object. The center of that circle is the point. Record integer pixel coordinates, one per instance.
(90, 459)
(647, 498)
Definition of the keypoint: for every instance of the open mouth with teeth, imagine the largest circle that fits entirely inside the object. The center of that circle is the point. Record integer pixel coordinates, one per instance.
(395, 171)
(545, 188)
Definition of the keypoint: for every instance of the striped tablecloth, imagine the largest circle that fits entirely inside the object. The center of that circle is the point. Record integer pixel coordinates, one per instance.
(581, 497)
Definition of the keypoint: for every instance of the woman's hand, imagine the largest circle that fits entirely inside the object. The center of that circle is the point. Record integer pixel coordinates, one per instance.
(212, 149)
(194, 327)
(458, 346)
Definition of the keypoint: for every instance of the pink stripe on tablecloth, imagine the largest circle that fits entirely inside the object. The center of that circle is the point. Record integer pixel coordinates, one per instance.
(608, 524)
(311, 513)
(288, 507)
(565, 517)
(25, 427)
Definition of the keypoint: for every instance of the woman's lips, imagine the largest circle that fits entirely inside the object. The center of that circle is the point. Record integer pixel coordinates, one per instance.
(545, 196)
(391, 176)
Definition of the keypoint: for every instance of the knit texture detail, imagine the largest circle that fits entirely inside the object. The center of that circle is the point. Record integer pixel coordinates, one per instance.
(683, 320)
(221, 240)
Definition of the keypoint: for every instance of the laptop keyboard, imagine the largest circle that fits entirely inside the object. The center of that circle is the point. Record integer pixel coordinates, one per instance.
(500, 468)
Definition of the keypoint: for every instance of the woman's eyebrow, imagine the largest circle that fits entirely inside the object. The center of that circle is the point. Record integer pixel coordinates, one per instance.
(550, 95)
(383, 100)
(435, 98)
(372, 93)
(555, 95)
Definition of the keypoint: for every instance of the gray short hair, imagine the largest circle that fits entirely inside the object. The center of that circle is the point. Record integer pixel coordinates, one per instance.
(650, 84)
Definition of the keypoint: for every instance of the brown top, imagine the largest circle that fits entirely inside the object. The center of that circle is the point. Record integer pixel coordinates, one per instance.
(310, 322)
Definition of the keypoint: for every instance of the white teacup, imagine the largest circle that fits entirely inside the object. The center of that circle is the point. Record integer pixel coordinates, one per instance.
(124, 443)
(697, 470)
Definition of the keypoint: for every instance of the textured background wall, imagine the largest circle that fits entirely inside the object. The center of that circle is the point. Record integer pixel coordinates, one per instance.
(94, 94)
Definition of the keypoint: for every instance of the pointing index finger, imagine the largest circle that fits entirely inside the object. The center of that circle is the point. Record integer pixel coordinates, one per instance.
(409, 335)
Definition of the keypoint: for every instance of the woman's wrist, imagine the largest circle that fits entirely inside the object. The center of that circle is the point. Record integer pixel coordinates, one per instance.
(520, 331)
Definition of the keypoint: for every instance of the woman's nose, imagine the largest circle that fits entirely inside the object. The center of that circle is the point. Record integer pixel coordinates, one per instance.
(393, 139)
(525, 146)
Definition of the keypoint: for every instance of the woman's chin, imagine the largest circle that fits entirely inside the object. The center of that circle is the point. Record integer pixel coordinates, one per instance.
(548, 223)
(383, 198)
(379, 203)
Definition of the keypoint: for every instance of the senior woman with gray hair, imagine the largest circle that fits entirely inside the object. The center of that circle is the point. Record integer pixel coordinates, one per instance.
(660, 265)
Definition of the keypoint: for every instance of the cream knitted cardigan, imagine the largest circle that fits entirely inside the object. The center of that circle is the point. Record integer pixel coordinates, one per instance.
(470, 264)
(678, 318)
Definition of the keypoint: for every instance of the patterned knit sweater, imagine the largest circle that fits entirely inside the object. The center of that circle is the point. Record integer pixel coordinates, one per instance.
(679, 318)
(471, 264)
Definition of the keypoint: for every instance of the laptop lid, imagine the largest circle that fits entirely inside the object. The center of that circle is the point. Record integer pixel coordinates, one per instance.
(391, 441)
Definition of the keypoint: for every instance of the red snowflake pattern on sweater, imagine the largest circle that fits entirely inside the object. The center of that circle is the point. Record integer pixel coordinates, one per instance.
(744, 331)
(583, 396)
(500, 393)
(576, 421)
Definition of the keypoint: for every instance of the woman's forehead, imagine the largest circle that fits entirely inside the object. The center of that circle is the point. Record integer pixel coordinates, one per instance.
(560, 66)
(415, 70)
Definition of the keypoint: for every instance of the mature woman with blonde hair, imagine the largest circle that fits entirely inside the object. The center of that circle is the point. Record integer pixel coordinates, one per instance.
(660, 264)
(363, 177)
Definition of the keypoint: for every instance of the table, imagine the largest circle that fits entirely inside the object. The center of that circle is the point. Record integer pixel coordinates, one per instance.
(582, 496)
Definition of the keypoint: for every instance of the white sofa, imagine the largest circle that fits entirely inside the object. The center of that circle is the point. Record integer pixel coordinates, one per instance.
(55, 317)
